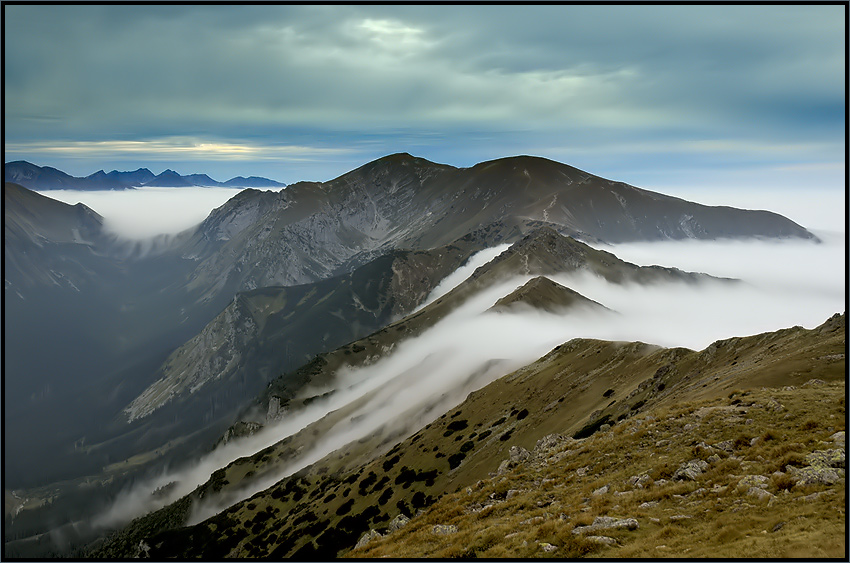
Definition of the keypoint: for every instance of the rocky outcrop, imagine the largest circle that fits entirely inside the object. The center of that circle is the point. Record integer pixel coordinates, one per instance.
(366, 538)
(398, 523)
(690, 470)
(825, 467)
(607, 523)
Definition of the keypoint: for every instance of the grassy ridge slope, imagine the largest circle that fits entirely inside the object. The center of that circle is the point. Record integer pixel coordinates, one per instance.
(578, 390)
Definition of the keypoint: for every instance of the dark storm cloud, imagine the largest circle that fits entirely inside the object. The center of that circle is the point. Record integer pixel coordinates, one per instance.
(455, 83)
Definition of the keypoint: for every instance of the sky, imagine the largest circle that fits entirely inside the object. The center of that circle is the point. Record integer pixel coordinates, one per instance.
(662, 97)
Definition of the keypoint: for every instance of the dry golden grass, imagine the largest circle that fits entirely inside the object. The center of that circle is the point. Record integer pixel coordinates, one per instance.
(711, 516)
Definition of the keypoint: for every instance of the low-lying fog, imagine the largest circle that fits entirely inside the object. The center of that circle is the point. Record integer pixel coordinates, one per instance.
(148, 211)
(784, 283)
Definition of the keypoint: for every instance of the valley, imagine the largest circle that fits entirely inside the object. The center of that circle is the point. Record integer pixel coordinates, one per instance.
(250, 370)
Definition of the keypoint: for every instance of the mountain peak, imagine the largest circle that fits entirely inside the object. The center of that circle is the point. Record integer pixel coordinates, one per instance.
(543, 294)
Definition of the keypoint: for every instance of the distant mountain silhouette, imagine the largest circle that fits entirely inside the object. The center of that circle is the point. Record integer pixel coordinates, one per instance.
(42, 178)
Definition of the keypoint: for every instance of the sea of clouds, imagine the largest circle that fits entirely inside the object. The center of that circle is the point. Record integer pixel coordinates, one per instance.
(783, 283)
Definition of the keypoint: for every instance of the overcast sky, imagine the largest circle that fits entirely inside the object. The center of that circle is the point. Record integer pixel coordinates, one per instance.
(651, 95)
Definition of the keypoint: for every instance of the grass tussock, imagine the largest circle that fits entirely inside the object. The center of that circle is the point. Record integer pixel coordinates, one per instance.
(714, 515)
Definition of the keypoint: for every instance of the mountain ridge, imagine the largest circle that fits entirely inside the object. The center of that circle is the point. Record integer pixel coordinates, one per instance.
(587, 389)
(42, 178)
(378, 228)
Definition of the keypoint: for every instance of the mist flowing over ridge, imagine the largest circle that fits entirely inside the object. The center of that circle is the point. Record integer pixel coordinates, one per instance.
(280, 303)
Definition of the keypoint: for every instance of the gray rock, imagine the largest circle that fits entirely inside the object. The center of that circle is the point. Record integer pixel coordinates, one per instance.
(639, 481)
(726, 445)
(839, 438)
(648, 504)
(749, 481)
(532, 521)
(505, 466)
(143, 550)
(444, 529)
(601, 490)
(827, 458)
(690, 470)
(607, 523)
(398, 523)
(775, 405)
(366, 538)
(759, 493)
(815, 475)
(550, 442)
(548, 547)
(518, 454)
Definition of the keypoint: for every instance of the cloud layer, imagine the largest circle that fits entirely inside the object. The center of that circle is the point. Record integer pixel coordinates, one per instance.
(783, 284)
(146, 212)
(281, 86)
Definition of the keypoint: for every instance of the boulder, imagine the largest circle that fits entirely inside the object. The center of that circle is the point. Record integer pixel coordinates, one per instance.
(750, 481)
(444, 529)
(815, 475)
(827, 458)
(518, 454)
(548, 547)
(607, 523)
(550, 442)
(366, 538)
(398, 523)
(726, 445)
(759, 493)
(690, 470)
(505, 466)
(639, 481)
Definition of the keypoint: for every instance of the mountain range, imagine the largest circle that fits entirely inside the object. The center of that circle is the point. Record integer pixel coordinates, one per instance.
(273, 308)
(43, 178)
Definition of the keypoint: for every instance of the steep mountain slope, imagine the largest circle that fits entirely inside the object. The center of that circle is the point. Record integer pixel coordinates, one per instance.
(696, 485)
(41, 233)
(39, 177)
(580, 389)
(273, 330)
(312, 230)
(541, 252)
(93, 319)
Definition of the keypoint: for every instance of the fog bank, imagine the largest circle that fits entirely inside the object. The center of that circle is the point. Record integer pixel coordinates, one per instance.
(783, 284)
(148, 211)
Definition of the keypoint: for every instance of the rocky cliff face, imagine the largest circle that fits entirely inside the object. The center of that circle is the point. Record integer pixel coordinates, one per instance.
(378, 238)
(269, 331)
(313, 230)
